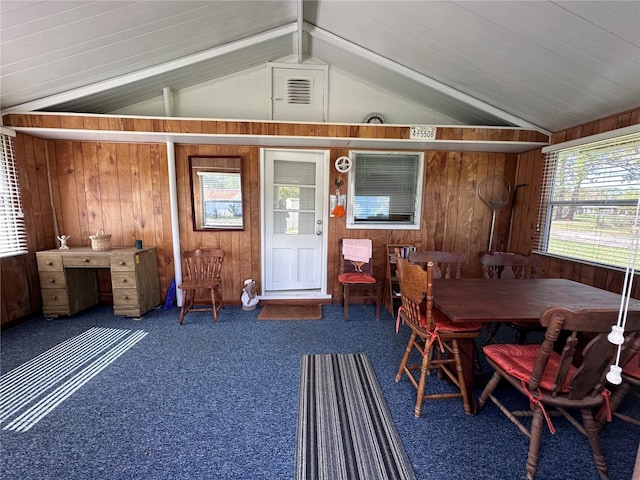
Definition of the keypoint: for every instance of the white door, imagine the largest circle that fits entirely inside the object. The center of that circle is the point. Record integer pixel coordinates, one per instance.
(295, 213)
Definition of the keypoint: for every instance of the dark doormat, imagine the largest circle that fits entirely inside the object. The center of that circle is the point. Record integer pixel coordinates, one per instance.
(274, 311)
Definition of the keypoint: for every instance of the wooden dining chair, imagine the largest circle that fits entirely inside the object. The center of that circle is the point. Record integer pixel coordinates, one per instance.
(358, 281)
(510, 266)
(448, 266)
(445, 264)
(202, 274)
(430, 331)
(567, 371)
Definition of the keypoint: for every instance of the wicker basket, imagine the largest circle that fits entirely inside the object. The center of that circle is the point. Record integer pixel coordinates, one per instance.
(100, 241)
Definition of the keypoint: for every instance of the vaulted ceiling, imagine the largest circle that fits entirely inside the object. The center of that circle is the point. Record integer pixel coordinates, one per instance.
(541, 64)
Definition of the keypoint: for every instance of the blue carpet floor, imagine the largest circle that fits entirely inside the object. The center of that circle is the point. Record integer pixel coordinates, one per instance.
(219, 401)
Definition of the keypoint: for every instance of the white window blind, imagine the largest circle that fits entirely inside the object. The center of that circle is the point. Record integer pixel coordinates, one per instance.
(13, 236)
(386, 190)
(589, 201)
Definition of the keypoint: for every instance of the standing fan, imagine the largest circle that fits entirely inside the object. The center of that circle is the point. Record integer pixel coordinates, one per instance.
(494, 191)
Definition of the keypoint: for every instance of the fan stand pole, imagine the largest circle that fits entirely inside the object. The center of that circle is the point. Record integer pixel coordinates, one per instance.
(493, 222)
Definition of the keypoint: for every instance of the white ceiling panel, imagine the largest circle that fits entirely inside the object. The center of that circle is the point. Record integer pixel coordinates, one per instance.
(546, 64)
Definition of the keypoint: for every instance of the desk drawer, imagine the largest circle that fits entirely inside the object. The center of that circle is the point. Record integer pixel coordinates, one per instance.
(125, 297)
(49, 262)
(55, 297)
(91, 260)
(52, 280)
(123, 279)
(123, 262)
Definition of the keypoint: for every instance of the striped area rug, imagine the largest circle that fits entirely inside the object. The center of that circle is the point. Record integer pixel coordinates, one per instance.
(345, 430)
(32, 390)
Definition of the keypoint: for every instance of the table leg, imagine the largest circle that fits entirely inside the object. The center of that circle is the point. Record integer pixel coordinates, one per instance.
(467, 357)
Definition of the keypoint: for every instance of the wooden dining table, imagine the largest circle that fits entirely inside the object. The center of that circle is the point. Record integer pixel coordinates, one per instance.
(483, 300)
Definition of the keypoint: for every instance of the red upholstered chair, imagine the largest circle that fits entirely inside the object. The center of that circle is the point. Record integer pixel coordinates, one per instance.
(202, 274)
(510, 266)
(358, 281)
(571, 379)
(432, 336)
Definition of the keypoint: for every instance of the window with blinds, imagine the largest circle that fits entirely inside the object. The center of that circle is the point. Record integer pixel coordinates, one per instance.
(385, 190)
(589, 202)
(13, 236)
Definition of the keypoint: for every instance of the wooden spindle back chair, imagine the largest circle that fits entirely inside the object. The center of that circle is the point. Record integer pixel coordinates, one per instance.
(574, 378)
(496, 265)
(445, 264)
(430, 331)
(202, 273)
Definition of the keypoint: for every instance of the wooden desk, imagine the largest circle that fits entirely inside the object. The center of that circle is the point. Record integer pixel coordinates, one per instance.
(482, 300)
(68, 280)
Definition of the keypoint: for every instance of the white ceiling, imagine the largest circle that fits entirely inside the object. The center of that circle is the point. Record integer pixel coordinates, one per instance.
(535, 64)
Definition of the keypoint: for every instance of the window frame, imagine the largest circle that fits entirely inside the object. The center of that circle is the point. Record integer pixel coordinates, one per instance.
(201, 165)
(598, 206)
(13, 233)
(352, 223)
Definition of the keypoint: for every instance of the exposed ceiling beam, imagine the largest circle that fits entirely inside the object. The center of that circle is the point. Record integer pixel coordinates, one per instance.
(300, 31)
(420, 78)
(279, 140)
(157, 70)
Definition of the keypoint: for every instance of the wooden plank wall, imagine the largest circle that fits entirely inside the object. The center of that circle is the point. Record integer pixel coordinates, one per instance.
(20, 292)
(123, 189)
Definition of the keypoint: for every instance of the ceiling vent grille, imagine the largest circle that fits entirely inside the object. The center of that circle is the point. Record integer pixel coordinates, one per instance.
(299, 91)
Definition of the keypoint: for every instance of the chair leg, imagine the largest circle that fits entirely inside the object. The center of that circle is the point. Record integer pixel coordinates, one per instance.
(594, 440)
(213, 304)
(405, 357)
(378, 300)
(466, 404)
(345, 302)
(534, 442)
(422, 384)
(488, 390)
(186, 304)
(220, 300)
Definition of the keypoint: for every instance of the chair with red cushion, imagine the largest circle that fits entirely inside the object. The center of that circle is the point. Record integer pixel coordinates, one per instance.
(447, 266)
(554, 382)
(356, 276)
(432, 336)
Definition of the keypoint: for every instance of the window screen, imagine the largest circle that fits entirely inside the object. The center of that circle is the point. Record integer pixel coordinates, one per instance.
(589, 202)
